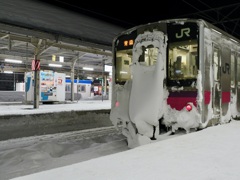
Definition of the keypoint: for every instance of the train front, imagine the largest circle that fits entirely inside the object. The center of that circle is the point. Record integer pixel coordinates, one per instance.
(156, 81)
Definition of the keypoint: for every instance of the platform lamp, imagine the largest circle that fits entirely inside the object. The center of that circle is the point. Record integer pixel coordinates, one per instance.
(13, 61)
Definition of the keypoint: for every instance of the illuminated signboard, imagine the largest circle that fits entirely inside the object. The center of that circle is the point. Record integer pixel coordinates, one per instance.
(128, 42)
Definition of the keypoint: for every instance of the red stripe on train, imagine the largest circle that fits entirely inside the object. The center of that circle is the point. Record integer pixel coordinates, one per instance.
(179, 103)
(226, 97)
(207, 97)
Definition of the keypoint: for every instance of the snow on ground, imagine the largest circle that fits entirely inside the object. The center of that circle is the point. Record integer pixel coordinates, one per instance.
(212, 153)
(29, 155)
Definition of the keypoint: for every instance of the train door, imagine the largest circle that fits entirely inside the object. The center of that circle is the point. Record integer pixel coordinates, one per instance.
(216, 91)
(238, 83)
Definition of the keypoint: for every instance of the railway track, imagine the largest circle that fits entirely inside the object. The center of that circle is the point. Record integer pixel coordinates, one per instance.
(39, 153)
(67, 137)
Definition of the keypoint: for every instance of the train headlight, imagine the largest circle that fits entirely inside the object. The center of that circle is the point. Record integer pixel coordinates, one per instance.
(188, 107)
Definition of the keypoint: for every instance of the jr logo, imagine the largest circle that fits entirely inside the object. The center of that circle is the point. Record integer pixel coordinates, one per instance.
(185, 31)
(226, 68)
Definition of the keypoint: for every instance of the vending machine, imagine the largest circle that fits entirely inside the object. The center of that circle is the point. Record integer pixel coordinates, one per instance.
(52, 86)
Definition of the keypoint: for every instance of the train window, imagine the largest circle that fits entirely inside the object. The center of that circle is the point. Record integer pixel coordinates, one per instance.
(232, 70)
(216, 65)
(149, 56)
(123, 62)
(182, 61)
(68, 88)
(81, 88)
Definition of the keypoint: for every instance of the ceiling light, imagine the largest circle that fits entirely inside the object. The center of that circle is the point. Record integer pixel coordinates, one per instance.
(13, 61)
(88, 68)
(107, 68)
(8, 72)
(61, 58)
(55, 65)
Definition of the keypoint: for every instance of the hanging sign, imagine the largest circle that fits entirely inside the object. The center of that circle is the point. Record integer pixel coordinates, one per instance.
(35, 65)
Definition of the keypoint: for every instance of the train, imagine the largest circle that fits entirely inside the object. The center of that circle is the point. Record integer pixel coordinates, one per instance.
(171, 75)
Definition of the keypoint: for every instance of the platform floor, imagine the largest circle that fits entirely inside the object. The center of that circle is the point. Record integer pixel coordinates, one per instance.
(18, 108)
(21, 120)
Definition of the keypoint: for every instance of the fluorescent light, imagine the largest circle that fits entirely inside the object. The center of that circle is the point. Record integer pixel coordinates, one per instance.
(107, 68)
(55, 65)
(13, 61)
(61, 58)
(8, 72)
(88, 68)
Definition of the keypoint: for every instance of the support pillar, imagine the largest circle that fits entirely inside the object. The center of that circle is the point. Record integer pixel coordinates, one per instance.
(72, 84)
(36, 69)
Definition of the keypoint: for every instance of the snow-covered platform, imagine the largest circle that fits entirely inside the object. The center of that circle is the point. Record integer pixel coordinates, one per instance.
(212, 153)
(20, 120)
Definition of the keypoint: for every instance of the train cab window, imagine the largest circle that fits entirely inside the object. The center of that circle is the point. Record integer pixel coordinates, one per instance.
(182, 61)
(149, 56)
(123, 62)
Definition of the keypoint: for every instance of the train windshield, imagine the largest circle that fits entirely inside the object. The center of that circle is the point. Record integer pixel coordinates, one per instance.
(123, 62)
(182, 63)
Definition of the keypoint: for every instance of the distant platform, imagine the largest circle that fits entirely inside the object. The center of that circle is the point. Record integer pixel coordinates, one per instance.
(19, 97)
(21, 120)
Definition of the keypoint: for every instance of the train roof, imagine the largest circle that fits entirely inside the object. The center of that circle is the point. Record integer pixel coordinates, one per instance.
(180, 20)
